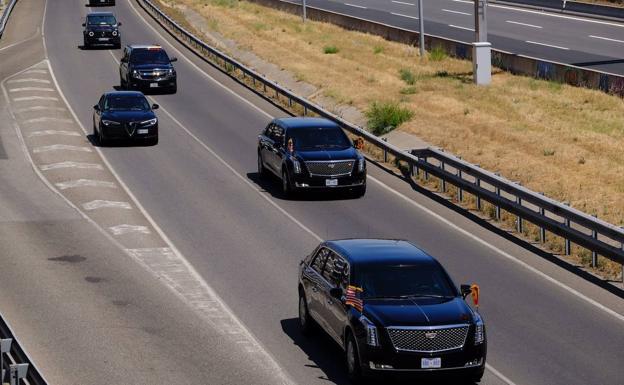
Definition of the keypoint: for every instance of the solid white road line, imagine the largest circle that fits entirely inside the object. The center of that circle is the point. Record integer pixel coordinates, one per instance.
(84, 183)
(355, 5)
(523, 24)
(100, 204)
(79, 165)
(402, 15)
(403, 3)
(60, 147)
(606, 38)
(36, 71)
(547, 45)
(126, 229)
(27, 89)
(460, 27)
(456, 12)
(53, 132)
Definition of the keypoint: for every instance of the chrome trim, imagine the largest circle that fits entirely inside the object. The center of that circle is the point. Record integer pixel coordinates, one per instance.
(427, 370)
(429, 328)
(354, 161)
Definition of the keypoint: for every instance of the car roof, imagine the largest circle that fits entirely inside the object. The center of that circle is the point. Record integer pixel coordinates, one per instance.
(100, 14)
(129, 93)
(305, 123)
(380, 251)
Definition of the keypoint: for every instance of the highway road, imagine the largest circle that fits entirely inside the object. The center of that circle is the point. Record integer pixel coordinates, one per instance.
(568, 39)
(201, 191)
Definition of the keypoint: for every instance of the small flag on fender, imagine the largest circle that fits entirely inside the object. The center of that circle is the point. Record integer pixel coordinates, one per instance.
(353, 299)
(474, 292)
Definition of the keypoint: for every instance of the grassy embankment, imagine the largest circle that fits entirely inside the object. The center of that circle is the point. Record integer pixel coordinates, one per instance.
(564, 141)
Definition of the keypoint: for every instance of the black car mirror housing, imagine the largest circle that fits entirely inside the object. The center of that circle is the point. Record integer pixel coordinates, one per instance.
(84, 24)
(155, 106)
(465, 290)
(173, 59)
(96, 107)
(336, 292)
(119, 24)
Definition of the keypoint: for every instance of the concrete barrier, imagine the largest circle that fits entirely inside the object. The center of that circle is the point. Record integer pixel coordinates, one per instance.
(514, 63)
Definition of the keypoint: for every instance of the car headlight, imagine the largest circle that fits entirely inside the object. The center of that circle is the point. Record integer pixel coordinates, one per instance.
(372, 336)
(150, 122)
(115, 33)
(296, 166)
(91, 34)
(110, 123)
(170, 72)
(135, 74)
(361, 164)
(479, 331)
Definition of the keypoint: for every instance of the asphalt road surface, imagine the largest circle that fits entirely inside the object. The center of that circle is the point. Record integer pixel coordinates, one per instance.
(245, 240)
(580, 41)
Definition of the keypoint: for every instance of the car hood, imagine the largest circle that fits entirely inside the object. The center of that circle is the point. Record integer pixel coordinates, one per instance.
(418, 312)
(329, 154)
(152, 66)
(128, 116)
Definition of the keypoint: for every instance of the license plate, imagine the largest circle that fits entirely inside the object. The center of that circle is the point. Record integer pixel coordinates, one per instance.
(331, 182)
(142, 131)
(430, 363)
(153, 85)
(103, 39)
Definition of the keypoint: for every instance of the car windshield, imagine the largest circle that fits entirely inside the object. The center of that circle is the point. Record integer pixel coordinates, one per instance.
(126, 102)
(423, 280)
(101, 20)
(149, 56)
(318, 138)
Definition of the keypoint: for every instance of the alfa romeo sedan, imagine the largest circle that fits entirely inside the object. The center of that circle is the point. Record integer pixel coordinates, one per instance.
(393, 309)
(310, 153)
(125, 115)
(101, 28)
(147, 67)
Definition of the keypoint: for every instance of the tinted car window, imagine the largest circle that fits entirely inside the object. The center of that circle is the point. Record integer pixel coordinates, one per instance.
(101, 20)
(126, 102)
(319, 260)
(336, 270)
(149, 56)
(404, 281)
(323, 137)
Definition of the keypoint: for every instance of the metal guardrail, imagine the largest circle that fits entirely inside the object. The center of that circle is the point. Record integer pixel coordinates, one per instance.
(591, 233)
(18, 356)
(5, 16)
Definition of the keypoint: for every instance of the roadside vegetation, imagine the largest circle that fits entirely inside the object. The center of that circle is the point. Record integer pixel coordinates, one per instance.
(564, 141)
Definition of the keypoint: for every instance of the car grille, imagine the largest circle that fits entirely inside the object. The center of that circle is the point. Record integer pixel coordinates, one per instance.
(428, 340)
(153, 74)
(331, 168)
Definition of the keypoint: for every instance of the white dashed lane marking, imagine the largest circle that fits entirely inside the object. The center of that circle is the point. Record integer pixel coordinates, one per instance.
(47, 119)
(101, 204)
(29, 80)
(127, 229)
(60, 147)
(606, 38)
(456, 12)
(80, 165)
(40, 108)
(548, 45)
(84, 183)
(53, 132)
(523, 24)
(31, 98)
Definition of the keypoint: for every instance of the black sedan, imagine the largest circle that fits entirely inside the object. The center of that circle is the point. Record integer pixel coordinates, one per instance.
(310, 153)
(101, 28)
(393, 309)
(125, 115)
(95, 3)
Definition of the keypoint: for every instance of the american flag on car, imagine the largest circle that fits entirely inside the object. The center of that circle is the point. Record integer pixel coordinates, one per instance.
(353, 297)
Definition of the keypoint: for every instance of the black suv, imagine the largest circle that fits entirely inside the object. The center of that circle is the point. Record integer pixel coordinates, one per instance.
(147, 67)
(125, 115)
(393, 309)
(101, 28)
(95, 3)
(311, 153)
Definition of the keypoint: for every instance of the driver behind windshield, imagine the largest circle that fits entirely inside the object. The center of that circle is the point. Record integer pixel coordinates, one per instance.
(136, 103)
(309, 139)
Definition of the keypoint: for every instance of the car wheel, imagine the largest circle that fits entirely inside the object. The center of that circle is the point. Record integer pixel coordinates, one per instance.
(359, 192)
(174, 89)
(286, 187)
(102, 141)
(262, 171)
(152, 141)
(85, 45)
(354, 370)
(306, 323)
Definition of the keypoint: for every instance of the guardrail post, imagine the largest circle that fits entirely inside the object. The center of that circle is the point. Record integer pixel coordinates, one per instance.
(622, 247)
(5, 347)
(519, 224)
(17, 372)
(425, 171)
(567, 241)
(594, 261)
(443, 184)
(289, 102)
(460, 191)
(542, 230)
(478, 196)
(498, 194)
(305, 110)
(385, 152)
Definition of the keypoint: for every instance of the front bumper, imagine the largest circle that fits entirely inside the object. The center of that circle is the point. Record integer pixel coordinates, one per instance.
(153, 84)
(102, 40)
(305, 181)
(121, 133)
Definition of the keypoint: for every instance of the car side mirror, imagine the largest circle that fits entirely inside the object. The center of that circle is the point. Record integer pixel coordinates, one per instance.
(84, 24)
(335, 292)
(96, 107)
(173, 59)
(465, 290)
(124, 60)
(155, 106)
(119, 24)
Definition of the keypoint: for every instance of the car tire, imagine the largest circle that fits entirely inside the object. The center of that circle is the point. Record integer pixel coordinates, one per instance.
(102, 140)
(359, 192)
(262, 171)
(85, 44)
(117, 46)
(306, 323)
(152, 141)
(173, 90)
(286, 186)
(352, 359)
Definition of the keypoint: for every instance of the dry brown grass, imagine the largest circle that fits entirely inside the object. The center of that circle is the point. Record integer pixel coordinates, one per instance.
(614, 3)
(564, 141)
